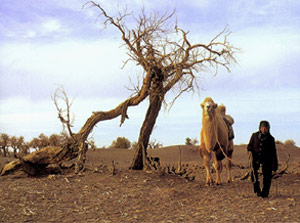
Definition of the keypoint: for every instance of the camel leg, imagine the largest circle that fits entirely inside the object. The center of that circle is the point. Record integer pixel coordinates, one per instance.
(206, 161)
(218, 167)
(207, 164)
(228, 167)
(228, 161)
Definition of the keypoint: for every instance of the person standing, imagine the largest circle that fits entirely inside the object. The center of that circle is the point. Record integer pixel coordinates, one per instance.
(262, 149)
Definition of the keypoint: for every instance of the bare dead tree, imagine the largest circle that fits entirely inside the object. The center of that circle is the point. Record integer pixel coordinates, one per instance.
(169, 60)
(63, 113)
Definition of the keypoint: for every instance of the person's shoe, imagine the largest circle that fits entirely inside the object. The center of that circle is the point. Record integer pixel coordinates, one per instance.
(263, 195)
(257, 191)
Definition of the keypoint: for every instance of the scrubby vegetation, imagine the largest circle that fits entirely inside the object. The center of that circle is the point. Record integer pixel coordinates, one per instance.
(190, 142)
(289, 142)
(17, 146)
(121, 143)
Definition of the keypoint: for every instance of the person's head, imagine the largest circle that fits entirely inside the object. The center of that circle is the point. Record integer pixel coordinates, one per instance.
(264, 127)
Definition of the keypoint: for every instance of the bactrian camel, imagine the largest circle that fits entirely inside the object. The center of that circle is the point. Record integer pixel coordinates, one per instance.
(214, 141)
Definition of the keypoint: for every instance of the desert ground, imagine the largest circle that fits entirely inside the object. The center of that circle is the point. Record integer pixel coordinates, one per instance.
(105, 194)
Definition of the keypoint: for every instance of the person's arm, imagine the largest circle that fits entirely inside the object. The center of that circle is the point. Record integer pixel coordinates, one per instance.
(250, 144)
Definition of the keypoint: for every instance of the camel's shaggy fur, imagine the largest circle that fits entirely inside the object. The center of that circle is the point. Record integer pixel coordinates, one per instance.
(214, 140)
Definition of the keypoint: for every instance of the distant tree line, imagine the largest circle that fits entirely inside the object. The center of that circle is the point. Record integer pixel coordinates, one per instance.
(124, 143)
(17, 145)
(13, 145)
(288, 142)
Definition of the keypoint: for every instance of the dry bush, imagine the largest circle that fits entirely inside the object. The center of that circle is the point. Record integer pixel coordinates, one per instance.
(121, 142)
(189, 141)
(154, 144)
(289, 142)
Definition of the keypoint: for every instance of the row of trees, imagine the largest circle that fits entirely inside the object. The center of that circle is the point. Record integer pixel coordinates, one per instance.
(288, 142)
(19, 145)
(16, 143)
(124, 143)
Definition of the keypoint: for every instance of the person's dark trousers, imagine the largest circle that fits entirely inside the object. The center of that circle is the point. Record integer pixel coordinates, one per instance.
(254, 177)
(267, 178)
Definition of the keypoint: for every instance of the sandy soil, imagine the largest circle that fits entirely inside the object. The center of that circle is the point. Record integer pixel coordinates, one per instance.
(98, 195)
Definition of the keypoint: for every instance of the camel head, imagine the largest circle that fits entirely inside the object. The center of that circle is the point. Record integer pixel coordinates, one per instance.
(208, 106)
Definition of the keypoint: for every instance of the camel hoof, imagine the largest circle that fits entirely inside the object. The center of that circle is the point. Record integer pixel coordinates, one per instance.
(210, 183)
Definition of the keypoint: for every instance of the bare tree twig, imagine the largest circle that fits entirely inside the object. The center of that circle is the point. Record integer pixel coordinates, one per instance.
(63, 114)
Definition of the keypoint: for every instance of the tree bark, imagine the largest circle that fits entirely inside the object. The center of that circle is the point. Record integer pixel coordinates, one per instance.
(155, 102)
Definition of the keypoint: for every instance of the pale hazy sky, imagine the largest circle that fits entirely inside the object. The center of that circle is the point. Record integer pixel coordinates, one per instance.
(44, 44)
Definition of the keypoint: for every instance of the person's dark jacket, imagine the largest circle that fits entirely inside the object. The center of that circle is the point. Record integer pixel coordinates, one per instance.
(263, 149)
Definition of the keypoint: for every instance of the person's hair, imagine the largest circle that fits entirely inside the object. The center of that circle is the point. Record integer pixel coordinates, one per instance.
(264, 123)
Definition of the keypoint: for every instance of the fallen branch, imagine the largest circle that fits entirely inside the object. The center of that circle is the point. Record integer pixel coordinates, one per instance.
(184, 172)
(283, 171)
(275, 175)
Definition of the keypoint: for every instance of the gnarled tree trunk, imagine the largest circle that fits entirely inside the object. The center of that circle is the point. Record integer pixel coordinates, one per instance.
(155, 102)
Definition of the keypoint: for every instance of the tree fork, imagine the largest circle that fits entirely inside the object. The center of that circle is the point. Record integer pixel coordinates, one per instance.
(96, 117)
